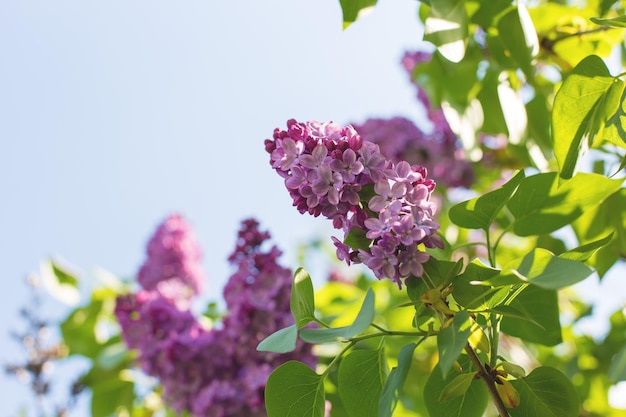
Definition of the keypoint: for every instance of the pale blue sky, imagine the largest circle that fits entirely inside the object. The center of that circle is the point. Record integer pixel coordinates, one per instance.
(114, 114)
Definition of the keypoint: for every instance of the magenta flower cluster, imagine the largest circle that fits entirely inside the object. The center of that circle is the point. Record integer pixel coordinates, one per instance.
(173, 267)
(383, 208)
(400, 139)
(213, 372)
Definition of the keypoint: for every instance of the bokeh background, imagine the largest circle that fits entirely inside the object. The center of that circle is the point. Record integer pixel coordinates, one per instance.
(115, 114)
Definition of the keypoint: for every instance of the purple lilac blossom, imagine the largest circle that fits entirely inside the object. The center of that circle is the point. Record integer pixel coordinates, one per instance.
(216, 372)
(173, 265)
(339, 175)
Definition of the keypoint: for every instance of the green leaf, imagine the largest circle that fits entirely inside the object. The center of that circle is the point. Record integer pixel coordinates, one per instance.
(471, 404)
(541, 206)
(542, 268)
(580, 110)
(471, 295)
(584, 252)
(111, 390)
(61, 283)
(357, 239)
(294, 389)
(508, 311)
(446, 28)
(457, 387)
(362, 374)
(452, 340)
(302, 298)
(513, 369)
(617, 371)
(518, 34)
(480, 212)
(395, 381)
(545, 392)
(600, 221)
(362, 321)
(537, 305)
(79, 330)
(355, 9)
(616, 22)
(615, 127)
(281, 341)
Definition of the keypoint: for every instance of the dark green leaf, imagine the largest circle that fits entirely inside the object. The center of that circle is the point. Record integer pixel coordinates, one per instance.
(520, 38)
(355, 9)
(356, 239)
(471, 295)
(537, 305)
(617, 370)
(580, 110)
(362, 374)
(617, 22)
(294, 389)
(480, 212)
(395, 381)
(545, 392)
(452, 340)
(472, 404)
(446, 28)
(302, 298)
(281, 341)
(508, 311)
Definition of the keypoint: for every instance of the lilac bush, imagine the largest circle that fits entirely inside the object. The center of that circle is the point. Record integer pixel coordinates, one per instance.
(382, 206)
(210, 372)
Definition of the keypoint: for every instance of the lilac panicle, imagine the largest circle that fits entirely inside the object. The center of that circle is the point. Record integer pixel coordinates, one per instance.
(215, 372)
(173, 265)
(400, 139)
(332, 171)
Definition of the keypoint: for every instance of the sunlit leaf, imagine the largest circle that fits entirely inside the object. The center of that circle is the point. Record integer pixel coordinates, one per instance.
(580, 110)
(457, 387)
(541, 206)
(446, 28)
(355, 9)
(302, 300)
(542, 268)
(362, 321)
(480, 212)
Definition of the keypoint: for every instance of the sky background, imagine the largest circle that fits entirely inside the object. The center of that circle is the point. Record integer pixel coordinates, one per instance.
(115, 114)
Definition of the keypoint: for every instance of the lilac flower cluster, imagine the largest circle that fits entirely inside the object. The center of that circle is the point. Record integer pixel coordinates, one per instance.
(330, 170)
(400, 139)
(214, 372)
(173, 264)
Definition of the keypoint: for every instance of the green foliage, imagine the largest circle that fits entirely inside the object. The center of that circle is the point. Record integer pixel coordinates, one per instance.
(545, 392)
(302, 298)
(391, 390)
(470, 404)
(294, 389)
(354, 9)
(452, 340)
(362, 374)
